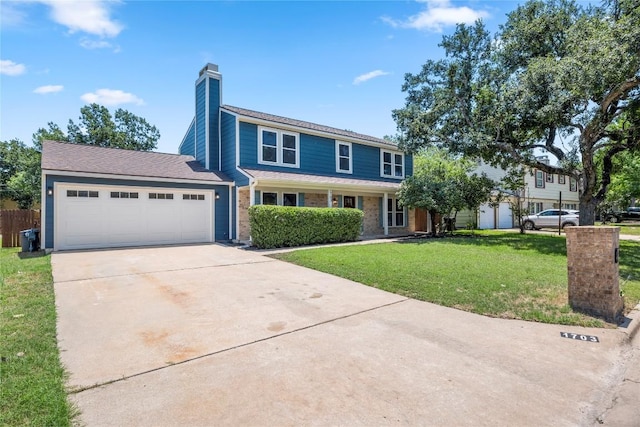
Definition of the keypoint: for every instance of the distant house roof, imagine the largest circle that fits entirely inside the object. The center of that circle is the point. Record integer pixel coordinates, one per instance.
(68, 157)
(306, 125)
(308, 180)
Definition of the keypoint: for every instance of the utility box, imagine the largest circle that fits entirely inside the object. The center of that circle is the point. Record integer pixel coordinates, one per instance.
(592, 263)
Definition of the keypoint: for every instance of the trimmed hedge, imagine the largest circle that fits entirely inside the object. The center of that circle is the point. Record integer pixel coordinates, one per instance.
(282, 226)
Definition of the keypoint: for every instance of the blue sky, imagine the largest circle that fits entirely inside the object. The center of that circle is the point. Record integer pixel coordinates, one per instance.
(336, 63)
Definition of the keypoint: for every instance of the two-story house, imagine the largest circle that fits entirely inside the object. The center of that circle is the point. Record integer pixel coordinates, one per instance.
(539, 191)
(230, 158)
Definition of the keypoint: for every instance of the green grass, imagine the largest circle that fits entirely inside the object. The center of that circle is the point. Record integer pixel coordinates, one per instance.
(505, 275)
(632, 229)
(31, 376)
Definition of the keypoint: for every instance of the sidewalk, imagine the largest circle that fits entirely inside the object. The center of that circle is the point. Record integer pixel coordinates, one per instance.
(622, 409)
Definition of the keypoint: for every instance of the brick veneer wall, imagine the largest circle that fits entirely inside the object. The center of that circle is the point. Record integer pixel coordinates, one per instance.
(593, 271)
(370, 207)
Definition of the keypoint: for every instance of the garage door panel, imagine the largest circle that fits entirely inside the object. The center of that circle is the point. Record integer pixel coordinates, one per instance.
(108, 221)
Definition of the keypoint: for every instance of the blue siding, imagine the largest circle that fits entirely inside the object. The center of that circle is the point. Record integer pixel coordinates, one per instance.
(214, 122)
(221, 231)
(317, 156)
(200, 153)
(228, 124)
(248, 144)
(187, 147)
(408, 165)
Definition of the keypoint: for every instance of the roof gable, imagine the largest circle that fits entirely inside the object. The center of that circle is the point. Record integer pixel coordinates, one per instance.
(69, 157)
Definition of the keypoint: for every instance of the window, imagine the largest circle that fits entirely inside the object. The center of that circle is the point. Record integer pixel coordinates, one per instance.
(161, 196)
(343, 157)
(395, 213)
(82, 193)
(536, 207)
(269, 198)
(349, 202)
(573, 184)
(278, 147)
(392, 164)
(289, 199)
(539, 179)
(562, 179)
(193, 197)
(549, 177)
(123, 195)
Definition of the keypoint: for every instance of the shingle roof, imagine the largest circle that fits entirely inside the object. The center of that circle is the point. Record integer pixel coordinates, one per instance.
(306, 125)
(260, 174)
(63, 156)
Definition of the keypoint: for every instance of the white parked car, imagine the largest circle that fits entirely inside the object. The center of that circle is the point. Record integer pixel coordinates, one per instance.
(550, 218)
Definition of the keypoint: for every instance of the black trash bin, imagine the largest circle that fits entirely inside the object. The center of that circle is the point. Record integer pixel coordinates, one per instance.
(30, 239)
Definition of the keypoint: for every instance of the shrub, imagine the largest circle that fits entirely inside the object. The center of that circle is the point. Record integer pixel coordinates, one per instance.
(282, 226)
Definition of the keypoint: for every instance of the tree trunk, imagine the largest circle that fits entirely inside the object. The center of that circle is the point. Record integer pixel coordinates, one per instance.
(588, 211)
(433, 214)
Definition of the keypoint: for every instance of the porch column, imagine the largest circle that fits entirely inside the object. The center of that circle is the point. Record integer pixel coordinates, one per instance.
(252, 195)
(329, 198)
(385, 214)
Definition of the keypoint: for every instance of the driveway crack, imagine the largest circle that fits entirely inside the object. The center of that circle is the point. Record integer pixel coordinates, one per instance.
(77, 390)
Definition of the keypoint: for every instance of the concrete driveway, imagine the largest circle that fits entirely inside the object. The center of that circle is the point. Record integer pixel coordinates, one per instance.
(211, 335)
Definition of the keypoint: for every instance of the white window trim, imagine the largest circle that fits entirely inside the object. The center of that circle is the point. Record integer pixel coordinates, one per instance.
(279, 147)
(393, 165)
(348, 144)
(542, 179)
(393, 213)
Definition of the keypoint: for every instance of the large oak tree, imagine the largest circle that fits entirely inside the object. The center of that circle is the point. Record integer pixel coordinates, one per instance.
(557, 79)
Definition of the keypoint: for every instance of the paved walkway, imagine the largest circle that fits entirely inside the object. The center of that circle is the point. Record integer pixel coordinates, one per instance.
(211, 335)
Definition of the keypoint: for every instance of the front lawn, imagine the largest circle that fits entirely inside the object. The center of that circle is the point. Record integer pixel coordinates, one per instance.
(497, 274)
(628, 228)
(31, 377)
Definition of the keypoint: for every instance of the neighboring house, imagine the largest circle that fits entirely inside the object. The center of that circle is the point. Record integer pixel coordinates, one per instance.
(230, 158)
(539, 191)
(542, 190)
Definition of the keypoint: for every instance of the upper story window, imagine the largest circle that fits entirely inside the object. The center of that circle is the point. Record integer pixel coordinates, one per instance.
(279, 148)
(562, 179)
(539, 179)
(549, 177)
(344, 157)
(391, 164)
(573, 184)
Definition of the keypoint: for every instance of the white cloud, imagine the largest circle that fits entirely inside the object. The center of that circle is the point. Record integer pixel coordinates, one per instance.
(88, 16)
(10, 68)
(98, 44)
(437, 15)
(368, 76)
(111, 97)
(48, 89)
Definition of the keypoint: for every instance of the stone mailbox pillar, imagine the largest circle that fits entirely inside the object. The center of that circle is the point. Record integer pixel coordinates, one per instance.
(592, 263)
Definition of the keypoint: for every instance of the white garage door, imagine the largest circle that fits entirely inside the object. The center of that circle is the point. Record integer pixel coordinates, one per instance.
(505, 217)
(99, 216)
(487, 217)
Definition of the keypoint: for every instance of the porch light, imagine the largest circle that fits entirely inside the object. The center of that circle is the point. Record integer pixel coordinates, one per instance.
(335, 202)
(217, 195)
(49, 191)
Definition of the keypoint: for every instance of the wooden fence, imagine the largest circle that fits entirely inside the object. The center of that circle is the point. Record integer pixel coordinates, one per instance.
(12, 221)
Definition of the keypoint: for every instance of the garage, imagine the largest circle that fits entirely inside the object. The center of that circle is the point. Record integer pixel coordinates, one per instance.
(100, 216)
(489, 214)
